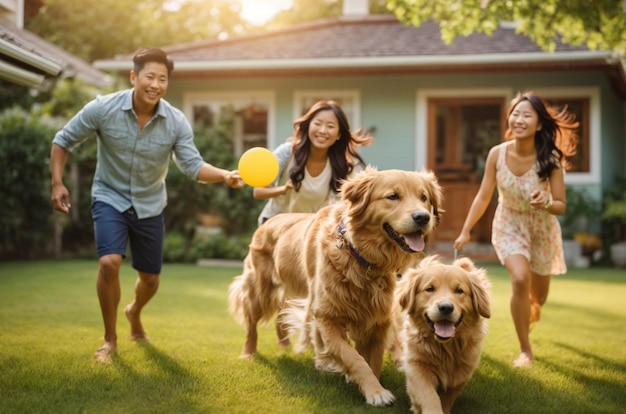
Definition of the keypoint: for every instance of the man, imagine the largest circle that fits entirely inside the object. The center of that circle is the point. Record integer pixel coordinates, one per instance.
(137, 132)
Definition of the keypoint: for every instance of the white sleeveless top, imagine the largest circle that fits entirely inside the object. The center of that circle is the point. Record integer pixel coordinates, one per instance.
(314, 193)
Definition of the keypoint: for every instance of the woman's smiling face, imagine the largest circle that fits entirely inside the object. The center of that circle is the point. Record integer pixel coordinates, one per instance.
(324, 129)
(524, 121)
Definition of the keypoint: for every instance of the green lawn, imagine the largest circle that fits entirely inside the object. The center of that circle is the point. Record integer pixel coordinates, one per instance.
(50, 326)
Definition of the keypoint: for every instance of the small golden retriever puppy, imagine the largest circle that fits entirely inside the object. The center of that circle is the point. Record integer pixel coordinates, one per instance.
(440, 326)
(351, 253)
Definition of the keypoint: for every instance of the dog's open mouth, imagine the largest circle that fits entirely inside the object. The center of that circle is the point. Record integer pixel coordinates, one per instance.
(443, 329)
(409, 242)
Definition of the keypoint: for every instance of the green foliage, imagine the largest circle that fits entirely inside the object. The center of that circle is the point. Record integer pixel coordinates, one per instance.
(12, 95)
(67, 97)
(581, 213)
(174, 248)
(597, 24)
(614, 214)
(25, 212)
(220, 246)
(302, 11)
(98, 29)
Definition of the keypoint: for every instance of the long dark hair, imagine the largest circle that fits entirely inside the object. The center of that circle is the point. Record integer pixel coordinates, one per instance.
(556, 140)
(342, 154)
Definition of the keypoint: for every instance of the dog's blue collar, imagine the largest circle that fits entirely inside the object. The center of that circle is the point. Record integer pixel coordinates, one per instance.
(353, 251)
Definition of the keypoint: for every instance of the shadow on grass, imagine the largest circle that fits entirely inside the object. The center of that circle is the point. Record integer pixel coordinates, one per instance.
(299, 377)
(160, 381)
(605, 386)
(498, 387)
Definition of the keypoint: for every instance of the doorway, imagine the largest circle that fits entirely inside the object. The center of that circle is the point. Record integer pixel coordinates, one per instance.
(460, 133)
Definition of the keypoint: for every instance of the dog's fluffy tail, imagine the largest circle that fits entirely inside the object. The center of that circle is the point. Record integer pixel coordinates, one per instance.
(294, 319)
(252, 296)
(237, 298)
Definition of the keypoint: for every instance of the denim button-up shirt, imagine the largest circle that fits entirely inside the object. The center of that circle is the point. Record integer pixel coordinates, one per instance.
(132, 163)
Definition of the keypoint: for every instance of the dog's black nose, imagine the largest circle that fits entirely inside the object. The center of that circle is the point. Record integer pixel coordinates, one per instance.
(422, 218)
(446, 308)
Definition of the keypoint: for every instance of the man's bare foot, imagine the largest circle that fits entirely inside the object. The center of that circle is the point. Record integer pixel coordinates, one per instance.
(136, 328)
(523, 360)
(105, 352)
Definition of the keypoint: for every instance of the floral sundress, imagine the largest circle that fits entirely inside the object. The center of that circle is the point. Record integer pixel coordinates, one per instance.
(520, 229)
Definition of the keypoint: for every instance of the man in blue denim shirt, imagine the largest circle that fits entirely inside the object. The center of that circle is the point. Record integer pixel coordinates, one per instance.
(137, 132)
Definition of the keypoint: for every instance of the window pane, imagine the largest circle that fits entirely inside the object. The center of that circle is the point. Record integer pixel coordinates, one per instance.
(246, 121)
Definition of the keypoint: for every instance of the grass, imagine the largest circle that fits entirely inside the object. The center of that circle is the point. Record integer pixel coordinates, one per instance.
(50, 326)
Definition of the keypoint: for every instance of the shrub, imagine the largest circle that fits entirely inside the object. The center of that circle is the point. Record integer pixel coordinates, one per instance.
(25, 211)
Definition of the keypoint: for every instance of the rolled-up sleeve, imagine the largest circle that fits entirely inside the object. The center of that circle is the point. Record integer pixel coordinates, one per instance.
(186, 154)
(84, 124)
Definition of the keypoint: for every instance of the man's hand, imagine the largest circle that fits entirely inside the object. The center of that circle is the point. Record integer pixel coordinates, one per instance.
(60, 198)
(233, 179)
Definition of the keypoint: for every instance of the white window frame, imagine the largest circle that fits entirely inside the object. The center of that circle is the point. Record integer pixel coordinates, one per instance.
(190, 99)
(352, 109)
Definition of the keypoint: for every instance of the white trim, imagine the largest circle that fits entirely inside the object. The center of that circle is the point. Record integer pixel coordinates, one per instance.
(267, 96)
(350, 62)
(22, 55)
(421, 119)
(20, 76)
(595, 129)
(353, 95)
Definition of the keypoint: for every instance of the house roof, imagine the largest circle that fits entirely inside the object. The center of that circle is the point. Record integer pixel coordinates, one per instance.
(29, 60)
(373, 44)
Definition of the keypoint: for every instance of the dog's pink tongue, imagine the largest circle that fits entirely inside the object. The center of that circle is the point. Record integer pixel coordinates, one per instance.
(415, 241)
(444, 329)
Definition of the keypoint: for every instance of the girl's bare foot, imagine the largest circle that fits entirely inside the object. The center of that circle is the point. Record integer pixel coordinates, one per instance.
(136, 328)
(105, 352)
(523, 360)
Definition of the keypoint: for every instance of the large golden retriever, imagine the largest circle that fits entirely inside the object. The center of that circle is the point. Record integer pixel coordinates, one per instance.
(440, 324)
(350, 253)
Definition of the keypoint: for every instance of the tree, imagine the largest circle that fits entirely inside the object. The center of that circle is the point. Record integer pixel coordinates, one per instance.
(305, 11)
(99, 29)
(599, 24)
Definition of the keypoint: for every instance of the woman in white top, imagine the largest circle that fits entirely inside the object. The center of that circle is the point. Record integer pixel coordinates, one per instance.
(313, 162)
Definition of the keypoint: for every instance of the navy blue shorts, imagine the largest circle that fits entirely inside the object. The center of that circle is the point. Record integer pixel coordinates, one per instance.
(113, 230)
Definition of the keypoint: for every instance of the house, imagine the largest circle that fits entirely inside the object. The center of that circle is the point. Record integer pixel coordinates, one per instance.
(428, 104)
(28, 60)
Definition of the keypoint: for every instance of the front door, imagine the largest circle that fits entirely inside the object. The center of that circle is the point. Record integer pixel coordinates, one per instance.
(460, 134)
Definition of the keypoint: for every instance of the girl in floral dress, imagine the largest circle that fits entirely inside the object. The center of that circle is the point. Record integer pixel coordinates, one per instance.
(528, 169)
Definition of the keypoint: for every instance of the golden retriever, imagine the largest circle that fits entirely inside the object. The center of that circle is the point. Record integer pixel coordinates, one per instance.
(351, 253)
(439, 319)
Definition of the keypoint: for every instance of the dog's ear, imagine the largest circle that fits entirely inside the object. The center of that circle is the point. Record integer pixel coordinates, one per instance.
(408, 290)
(466, 264)
(357, 190)
(435, 193)
(481, 288)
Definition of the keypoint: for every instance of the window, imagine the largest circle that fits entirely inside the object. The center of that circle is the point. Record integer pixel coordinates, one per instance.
(585, 104)
(349, 100)
(247, 114)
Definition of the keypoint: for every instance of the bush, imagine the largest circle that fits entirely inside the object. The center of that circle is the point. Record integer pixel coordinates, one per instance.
(178, 250)
(25, 211)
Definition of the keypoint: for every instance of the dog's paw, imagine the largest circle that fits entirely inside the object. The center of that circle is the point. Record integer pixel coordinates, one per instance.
(380, 398)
